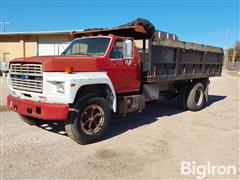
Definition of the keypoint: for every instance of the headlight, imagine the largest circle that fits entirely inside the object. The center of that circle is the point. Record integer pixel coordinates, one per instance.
(61, 87)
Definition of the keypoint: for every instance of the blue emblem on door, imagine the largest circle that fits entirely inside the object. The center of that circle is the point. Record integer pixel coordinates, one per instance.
(23, 77)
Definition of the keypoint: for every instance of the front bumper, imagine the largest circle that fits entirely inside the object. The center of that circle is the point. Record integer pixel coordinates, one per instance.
(38, 110)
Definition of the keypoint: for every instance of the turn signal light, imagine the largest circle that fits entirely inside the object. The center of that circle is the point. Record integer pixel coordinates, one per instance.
(68, 69)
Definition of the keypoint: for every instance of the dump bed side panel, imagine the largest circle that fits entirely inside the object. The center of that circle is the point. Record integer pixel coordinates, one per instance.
(180, 60)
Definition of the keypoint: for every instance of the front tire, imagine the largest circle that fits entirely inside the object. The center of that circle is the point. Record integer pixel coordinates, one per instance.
(90, 119)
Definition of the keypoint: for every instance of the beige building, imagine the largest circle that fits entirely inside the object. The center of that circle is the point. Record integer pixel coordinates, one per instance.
(15, 45)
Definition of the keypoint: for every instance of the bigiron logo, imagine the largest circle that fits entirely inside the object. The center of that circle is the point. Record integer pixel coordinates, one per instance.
(201, 171)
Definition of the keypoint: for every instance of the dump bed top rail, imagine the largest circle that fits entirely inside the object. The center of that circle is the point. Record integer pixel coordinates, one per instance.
(187, 46)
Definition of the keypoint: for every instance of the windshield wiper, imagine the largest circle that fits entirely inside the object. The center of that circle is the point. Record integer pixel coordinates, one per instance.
(85, 54)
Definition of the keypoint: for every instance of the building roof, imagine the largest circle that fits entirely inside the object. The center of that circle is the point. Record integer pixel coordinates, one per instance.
(66, 32)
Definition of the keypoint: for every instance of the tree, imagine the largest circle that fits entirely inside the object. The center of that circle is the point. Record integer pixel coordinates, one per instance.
(237, 52)
(237, 48)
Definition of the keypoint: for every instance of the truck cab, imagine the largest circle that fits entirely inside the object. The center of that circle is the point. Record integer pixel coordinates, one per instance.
(48, 87)
(111, 61)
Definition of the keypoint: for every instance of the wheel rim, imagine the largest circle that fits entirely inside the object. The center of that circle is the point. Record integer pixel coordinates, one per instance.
(92, 119)
(199, 97)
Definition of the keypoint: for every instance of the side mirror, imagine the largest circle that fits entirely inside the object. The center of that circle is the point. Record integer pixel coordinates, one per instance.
(128, 49)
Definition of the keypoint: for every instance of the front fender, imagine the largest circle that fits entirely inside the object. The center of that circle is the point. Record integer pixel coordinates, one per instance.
(74, 81)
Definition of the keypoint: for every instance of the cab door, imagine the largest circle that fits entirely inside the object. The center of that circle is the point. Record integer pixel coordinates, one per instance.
(125, 73)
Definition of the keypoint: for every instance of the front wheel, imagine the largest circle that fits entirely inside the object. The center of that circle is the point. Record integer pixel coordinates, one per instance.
(90, 119)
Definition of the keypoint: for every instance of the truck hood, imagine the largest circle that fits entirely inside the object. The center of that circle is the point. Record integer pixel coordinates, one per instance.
(59, 63)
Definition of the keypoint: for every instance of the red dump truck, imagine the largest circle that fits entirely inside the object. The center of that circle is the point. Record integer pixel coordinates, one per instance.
(102, 72)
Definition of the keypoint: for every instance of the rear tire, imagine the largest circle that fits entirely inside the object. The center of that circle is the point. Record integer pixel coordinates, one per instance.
(191, 96)
(90, 119)
(195, 98)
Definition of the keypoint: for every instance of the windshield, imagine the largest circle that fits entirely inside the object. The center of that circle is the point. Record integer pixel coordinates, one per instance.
(88, 46)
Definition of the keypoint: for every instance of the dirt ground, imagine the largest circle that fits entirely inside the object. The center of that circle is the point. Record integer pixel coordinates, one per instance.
(141, 146)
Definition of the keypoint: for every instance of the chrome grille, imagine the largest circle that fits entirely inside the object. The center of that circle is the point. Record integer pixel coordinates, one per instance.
(29, 69)
(27, 77)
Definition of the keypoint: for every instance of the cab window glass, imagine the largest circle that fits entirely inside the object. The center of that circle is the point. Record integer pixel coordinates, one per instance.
(88, 46)
(117, 50)
(76, 48)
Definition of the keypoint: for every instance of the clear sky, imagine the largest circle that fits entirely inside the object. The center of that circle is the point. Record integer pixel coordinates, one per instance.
(199, 21)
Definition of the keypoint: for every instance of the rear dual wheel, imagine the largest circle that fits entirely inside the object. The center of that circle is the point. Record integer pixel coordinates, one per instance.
(90, 119)
(195, 98)
(192, 97)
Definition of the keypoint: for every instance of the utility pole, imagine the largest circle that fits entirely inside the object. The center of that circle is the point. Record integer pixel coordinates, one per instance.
(226, 48)
(4, 23)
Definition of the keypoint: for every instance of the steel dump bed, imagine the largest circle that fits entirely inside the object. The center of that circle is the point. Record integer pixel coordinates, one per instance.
(179, 60)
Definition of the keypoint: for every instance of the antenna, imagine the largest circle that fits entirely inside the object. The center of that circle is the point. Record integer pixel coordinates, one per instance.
(4, 23)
